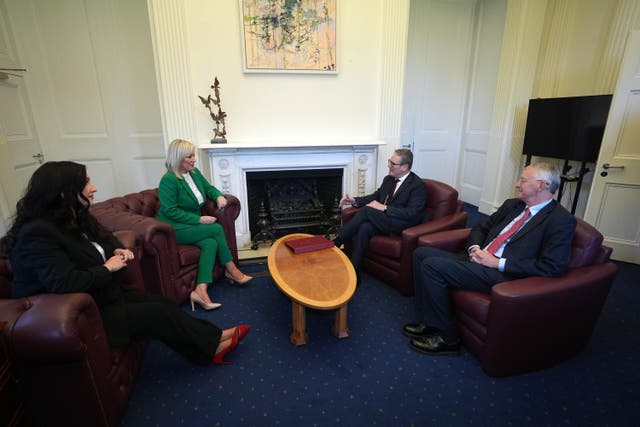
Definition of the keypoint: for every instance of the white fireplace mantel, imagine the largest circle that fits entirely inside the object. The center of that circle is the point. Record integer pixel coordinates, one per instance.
(230, 162)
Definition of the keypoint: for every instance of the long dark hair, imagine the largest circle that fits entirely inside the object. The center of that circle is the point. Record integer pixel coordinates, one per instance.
(54, 193)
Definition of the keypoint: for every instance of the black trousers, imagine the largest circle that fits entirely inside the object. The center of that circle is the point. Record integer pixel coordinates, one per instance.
(435, 271)
(362, 227)
(138, 316)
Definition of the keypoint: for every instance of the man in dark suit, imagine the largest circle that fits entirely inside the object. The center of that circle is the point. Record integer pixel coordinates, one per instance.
(396, 205)
(527, 236)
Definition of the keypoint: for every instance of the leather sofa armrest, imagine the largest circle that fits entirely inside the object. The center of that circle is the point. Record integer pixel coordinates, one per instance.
(227, 218)
(227, 215)
(128, 239)
(448, 222)
(231, 210)
(157, 237)
(537, 322)
(552, 287)
(132, 274)
(55, 328)
(554, 309)
(348, 213)
(450, 240)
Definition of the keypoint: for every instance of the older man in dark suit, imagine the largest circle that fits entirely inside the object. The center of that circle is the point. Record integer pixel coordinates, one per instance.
(527, 236)
(396, 205)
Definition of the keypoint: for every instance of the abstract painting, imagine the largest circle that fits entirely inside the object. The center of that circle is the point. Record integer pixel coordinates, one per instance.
(296, 36)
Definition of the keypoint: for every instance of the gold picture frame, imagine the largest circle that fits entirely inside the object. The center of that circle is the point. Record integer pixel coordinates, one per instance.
(288, 36)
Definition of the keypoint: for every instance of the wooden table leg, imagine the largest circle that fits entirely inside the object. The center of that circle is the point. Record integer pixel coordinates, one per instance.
(340, 329)
(299, 335)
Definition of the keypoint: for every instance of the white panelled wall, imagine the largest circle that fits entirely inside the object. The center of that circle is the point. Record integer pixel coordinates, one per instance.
(509, 51)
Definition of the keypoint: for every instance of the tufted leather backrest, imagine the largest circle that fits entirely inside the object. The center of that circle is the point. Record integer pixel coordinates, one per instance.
(442, 199)
(587, 246)
(145, 203)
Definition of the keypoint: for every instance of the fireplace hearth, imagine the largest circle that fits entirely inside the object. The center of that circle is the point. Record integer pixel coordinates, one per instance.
(293, 201)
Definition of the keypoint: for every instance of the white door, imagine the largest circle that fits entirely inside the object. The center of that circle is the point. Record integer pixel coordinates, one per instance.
(614, 201)
(20, 152)
(92, 88)
(438, 58)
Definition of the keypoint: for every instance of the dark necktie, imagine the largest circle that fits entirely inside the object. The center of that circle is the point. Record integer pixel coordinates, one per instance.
(498, 241)
(391, 191)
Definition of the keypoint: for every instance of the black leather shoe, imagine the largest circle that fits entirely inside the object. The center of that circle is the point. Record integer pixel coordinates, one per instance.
(417, 330)
(337, 242)
(435, 345)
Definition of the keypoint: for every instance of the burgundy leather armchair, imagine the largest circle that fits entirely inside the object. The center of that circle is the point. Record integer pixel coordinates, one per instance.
(63, 369)
(168, 268)
(536, 322)
(390, 257)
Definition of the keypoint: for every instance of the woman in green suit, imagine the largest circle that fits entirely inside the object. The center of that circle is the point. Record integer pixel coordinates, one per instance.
(183, 190)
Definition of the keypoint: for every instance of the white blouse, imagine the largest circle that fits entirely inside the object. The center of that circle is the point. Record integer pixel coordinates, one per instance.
(194, 189)
(100, 249)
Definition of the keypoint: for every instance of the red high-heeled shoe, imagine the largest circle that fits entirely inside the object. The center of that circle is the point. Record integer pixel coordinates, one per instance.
(218, 358)
(243, 330)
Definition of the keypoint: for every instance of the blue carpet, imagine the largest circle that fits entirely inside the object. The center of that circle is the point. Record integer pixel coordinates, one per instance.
(372, 378)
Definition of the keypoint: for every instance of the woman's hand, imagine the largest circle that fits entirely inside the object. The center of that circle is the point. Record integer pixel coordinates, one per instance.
(205, 219)
(119, 259)
(126, 254)
(221, 201)
(115, 263)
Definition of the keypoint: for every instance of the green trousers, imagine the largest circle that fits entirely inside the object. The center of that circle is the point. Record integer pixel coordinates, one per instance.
(211, 240)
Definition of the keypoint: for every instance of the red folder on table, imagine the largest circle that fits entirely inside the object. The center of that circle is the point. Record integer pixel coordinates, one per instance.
(308, 244)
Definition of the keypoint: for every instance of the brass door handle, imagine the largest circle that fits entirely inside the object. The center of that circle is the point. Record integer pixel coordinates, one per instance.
(608, 166)
(39, 156)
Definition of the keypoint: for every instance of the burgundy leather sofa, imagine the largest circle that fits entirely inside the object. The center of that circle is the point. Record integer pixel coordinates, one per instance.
(535, 322)
(390, 257)
(63, 369)
(168, 268)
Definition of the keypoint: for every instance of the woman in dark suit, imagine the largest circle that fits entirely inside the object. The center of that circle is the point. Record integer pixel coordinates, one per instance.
(56, 246)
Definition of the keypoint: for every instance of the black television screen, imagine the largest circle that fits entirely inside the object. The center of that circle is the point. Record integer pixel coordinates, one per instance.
(568, 128)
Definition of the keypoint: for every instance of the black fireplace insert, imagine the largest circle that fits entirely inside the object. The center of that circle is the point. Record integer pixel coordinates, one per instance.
(293, 201)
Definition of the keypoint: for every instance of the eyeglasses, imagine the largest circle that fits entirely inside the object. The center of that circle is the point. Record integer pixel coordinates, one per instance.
(394, 163)
(524, 181)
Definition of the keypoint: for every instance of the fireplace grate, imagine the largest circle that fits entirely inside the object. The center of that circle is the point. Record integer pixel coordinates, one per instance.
(296, 205)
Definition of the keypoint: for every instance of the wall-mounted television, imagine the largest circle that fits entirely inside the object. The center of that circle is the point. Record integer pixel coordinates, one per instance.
(569, 128)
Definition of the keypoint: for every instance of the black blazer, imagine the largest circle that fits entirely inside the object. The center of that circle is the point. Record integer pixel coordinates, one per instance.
(407, 206)
(47, 259)
(541, 248)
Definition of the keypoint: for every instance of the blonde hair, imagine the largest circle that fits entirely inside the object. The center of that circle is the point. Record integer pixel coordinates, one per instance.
(178, 150)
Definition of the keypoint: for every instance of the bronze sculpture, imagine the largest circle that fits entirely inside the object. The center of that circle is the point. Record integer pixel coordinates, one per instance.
(219, 136)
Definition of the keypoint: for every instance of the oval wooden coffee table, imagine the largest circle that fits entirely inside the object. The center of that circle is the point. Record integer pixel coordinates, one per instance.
(322, 279)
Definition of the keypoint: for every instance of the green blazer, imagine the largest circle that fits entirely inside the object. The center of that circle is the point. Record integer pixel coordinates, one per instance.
(178, 205)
